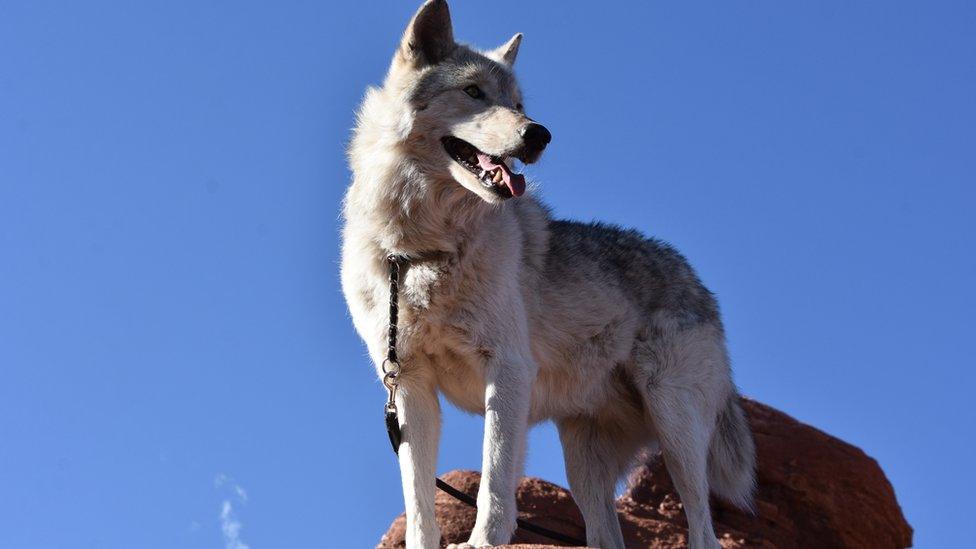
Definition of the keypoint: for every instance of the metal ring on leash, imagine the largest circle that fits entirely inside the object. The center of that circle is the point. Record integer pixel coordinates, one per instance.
(391, 371)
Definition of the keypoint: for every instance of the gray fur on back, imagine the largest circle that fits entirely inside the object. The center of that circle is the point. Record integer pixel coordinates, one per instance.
(648, 270)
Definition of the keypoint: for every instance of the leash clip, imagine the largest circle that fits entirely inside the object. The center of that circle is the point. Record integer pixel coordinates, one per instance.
(391, 380)
(391, 373)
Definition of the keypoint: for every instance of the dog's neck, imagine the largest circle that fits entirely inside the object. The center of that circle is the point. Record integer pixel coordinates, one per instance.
(401, 210)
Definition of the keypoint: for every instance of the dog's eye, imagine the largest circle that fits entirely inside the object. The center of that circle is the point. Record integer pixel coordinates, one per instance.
(474, 91)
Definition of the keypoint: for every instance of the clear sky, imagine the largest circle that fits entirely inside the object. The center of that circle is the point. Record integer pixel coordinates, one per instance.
(177, 367)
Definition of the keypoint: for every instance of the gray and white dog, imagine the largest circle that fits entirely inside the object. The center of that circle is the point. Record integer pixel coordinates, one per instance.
(520, 317)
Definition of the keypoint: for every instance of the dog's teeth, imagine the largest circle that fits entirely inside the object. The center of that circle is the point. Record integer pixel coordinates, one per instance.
(497, 178)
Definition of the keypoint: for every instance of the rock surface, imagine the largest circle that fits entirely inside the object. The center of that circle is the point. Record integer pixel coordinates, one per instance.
(814, 491)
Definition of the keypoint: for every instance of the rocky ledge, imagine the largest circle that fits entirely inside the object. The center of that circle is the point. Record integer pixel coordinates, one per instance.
(814, 491)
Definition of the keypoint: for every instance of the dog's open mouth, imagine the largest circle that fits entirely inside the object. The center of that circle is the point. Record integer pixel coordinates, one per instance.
(492, 171)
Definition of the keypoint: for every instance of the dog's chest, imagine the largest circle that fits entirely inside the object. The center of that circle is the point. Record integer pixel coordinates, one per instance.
(425, 286)
(441, 332)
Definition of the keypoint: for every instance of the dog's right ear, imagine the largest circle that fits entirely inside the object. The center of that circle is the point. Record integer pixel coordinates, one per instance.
(429, 37)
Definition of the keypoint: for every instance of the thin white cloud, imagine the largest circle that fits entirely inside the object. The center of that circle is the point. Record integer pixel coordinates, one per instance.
(240, 493)
(222, 480)
(230, 525)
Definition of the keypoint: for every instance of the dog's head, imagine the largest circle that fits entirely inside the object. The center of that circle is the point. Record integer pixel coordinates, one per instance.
(468, 122)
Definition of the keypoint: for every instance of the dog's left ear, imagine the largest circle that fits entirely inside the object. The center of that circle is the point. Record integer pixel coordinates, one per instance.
(429, 37)
(507, 52)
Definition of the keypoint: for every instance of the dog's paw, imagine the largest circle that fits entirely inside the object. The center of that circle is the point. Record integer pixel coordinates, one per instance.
(466, 546)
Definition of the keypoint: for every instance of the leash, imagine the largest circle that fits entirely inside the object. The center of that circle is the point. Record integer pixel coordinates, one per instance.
(391, 380)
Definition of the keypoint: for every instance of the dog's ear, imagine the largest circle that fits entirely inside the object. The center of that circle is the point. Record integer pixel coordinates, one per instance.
(429, 37)
(507, 52)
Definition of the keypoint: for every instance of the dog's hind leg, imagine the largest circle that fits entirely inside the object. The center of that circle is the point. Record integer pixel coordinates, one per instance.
(596, 456)
(684, 380)
(419, 415)
(684, 438)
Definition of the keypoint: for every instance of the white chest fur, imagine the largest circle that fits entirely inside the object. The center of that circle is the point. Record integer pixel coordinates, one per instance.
(441, 335)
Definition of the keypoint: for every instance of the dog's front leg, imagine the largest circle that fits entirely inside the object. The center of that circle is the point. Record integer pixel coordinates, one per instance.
(508, 387)
(420, 422)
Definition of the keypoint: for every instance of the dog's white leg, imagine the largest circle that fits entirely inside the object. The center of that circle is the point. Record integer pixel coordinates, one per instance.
(508, 388)
(684, 431)
(595, 458)
(420, 422)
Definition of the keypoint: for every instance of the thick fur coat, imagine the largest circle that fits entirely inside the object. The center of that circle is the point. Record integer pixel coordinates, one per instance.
(519, 317)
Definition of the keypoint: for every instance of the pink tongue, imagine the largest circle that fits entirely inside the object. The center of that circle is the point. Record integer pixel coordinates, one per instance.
(514, 181)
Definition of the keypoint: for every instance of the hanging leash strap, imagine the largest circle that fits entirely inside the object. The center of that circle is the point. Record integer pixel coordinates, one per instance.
(391, 365)
(391, 380)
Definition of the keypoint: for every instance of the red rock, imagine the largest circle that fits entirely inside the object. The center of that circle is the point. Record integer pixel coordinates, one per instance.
(814, 491)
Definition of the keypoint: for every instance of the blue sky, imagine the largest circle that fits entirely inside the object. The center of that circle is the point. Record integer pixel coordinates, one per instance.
(175, 354)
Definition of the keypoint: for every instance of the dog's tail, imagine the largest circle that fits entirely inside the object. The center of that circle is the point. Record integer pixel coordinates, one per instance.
(732, 457)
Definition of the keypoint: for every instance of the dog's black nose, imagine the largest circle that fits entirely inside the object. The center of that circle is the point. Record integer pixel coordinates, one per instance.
(536, 136)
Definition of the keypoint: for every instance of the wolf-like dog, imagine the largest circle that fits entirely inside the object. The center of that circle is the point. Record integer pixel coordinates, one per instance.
(521, 317)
